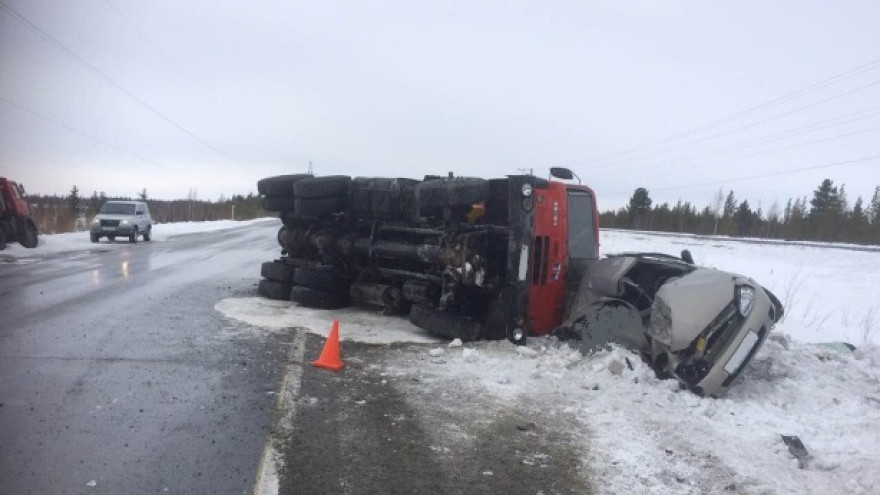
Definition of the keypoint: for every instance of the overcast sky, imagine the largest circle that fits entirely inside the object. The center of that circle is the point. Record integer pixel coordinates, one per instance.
(766, 98)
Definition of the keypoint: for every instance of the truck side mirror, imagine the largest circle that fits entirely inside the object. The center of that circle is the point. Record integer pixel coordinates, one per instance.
(561, 173)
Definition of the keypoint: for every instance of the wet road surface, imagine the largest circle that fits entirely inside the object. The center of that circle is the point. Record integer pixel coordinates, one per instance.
(117, 376)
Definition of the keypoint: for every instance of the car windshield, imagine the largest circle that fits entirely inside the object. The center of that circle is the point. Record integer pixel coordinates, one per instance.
(118, 209)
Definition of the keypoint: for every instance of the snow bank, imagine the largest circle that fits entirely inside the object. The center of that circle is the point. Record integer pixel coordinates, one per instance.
(642, 435)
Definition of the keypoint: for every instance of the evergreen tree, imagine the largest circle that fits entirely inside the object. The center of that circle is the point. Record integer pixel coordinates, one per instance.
(73, 200)
(143, 194)
(639, 207)
(826, 211)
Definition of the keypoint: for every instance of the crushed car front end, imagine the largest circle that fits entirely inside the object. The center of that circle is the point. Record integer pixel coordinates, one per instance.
(707, 325)
(698, 325)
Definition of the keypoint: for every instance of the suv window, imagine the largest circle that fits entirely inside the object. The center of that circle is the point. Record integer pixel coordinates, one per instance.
(117, 209)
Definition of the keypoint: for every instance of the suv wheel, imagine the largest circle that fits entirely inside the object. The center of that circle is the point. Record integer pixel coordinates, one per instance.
(147, 237)
(134, 236)
(94, 237)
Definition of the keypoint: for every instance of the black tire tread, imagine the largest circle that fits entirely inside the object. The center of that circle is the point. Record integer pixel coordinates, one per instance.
(278, 271)
(280, 185)
(318, 299)
(322, 187)
(444, 325)
(274, 289)
(452, 192)
(326, 278)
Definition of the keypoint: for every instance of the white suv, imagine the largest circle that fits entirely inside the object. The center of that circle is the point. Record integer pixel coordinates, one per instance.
(124, 219)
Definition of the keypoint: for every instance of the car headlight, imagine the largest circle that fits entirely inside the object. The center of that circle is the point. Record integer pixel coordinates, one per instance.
(96, 222)
(527, 190)
(745, 298)
(660, 328)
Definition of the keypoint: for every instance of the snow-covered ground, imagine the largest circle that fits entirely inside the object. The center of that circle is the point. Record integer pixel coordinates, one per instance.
(640, 435)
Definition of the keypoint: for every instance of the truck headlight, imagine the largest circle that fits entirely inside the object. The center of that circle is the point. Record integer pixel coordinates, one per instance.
(660, 328)
(745, 299)
(124, 222)
(527, 190)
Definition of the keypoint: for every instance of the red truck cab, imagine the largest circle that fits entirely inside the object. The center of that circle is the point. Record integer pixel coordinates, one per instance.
(565, 236)
(16, 224)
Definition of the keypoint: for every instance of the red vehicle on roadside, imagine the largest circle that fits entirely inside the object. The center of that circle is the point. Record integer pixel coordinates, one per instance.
(16, 224)
(466, 257)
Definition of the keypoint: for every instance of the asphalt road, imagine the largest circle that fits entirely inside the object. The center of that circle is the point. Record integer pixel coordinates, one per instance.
(117, 376)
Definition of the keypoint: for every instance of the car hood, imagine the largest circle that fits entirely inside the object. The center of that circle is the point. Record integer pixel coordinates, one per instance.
(694, 300)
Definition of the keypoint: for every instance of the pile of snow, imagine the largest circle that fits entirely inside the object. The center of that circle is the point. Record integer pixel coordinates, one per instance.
(642, 435)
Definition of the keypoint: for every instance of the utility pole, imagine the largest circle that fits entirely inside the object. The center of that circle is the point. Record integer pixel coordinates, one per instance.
(233, 212)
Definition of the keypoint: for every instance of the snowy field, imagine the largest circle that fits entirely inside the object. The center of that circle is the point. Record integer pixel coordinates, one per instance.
(640, 435)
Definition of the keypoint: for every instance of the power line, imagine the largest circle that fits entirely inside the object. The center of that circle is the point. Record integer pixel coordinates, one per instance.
(868, 66)
(772, 174)
(754, 143)
(768, 119)
(74, 130)
(100, 74)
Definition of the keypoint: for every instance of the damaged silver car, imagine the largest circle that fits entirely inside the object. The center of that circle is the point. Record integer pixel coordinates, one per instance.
(699, 325)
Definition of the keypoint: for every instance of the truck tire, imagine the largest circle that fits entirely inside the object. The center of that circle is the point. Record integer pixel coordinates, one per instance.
(2, 239)
(279, 185)
(278, 203)
(322, 187)
(326, 278)
(444, 325)
(318, 299)
(454, 192)
(274, 289)
(278, 271)
(29, 238)
(320, 207)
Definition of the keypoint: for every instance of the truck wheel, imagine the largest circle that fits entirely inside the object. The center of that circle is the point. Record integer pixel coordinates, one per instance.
(320, 207)
(454, 192)
(2, 239)
(29, 239)
(279, 184)
(133, 238)
(278, 203)
(327, 278)
(94, 237)
(278, 271)
(321, 187)
(313, 298)
(444, 325)
(274, 289)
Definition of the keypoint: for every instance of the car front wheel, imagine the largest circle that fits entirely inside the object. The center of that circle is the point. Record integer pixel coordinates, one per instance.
(134, 236)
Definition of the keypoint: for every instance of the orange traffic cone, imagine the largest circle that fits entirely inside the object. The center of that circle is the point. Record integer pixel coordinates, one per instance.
(330, 355)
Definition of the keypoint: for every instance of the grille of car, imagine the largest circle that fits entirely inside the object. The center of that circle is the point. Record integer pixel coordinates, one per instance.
(721, 331)
(109, 223)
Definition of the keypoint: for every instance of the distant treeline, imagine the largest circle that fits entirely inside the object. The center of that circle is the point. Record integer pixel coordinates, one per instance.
(828, 216)
(56, 214)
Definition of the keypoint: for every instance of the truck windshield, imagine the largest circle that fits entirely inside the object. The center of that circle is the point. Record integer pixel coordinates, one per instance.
(581, 232)
(117, 209)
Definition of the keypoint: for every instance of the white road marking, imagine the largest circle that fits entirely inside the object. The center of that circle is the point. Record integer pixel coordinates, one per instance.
(267, 482)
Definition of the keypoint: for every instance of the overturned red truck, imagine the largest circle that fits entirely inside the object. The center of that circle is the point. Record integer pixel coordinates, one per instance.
(465, 257)
(16, 224)
(509, 258)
